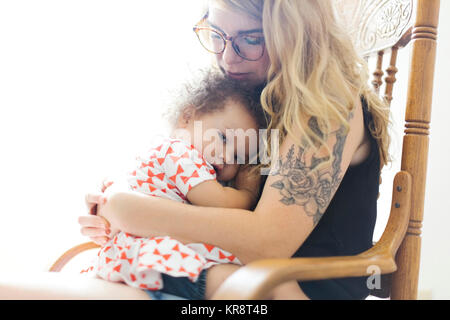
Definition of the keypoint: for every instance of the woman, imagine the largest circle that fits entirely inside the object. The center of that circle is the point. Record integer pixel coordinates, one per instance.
(320, 197)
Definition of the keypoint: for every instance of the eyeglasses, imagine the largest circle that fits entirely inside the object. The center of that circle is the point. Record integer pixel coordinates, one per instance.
(248, 46)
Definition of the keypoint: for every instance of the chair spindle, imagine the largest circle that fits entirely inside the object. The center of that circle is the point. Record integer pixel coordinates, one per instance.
(391, 71)
(378, 73)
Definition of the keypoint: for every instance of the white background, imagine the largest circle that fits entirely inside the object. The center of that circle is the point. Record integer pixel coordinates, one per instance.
(82, 87)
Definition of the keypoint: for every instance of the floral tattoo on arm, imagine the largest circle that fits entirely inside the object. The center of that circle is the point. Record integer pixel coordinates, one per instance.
(302, 182)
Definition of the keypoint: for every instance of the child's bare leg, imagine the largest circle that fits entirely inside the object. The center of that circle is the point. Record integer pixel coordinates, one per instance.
(216, 275)
(219, 273)
(59, 286)
(288, 291)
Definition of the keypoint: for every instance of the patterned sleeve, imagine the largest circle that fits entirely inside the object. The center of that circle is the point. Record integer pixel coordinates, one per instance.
(185, 167)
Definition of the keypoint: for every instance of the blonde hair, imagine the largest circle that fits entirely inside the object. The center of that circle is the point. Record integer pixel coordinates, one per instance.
(315, 72)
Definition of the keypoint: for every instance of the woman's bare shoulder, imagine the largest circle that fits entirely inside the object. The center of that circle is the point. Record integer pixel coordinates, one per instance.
(358, 137)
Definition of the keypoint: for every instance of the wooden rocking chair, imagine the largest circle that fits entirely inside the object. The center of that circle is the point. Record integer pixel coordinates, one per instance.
(378, 27)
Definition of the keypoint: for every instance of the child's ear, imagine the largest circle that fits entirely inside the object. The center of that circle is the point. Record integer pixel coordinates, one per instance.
(188, 114)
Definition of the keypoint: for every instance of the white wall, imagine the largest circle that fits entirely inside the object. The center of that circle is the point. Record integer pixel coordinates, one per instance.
(82, 86)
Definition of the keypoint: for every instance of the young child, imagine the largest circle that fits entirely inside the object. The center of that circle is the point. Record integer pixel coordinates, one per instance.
(193, 165)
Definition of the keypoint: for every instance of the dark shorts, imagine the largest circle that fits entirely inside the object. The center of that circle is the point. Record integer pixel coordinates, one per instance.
(180, 287)
(336, 289)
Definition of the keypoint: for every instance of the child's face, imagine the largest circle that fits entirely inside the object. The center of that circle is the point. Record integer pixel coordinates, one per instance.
(226, 153)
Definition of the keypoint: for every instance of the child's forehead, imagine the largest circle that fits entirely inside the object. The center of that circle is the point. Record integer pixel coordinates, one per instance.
(237, 105)
(232, 114)
(241, 120)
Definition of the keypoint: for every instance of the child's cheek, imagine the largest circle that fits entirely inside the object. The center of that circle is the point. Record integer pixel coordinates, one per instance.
(229, 172)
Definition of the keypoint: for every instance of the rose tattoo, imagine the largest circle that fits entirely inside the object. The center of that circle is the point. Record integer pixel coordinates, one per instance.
(303, 183)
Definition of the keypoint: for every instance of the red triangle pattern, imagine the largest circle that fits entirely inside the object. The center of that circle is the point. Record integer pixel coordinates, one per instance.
(172, 155)
(119, 260)
(139, 261)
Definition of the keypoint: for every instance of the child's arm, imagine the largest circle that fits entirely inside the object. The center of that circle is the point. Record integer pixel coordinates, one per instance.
(212, 194)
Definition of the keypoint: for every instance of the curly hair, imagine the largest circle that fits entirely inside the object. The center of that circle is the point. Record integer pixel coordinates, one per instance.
(210, 92)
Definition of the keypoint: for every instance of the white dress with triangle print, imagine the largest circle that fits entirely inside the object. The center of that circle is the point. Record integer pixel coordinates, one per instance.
(170, 170)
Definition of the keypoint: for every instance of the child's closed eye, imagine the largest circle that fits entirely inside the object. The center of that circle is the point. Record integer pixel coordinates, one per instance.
(222, 136)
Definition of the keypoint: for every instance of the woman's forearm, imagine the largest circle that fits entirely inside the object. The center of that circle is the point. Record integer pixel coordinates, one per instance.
(234, 230)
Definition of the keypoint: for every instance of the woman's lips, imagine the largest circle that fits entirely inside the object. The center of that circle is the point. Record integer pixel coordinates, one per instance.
(237, 76)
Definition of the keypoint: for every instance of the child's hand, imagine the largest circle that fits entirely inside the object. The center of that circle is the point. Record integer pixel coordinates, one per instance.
(249, 183)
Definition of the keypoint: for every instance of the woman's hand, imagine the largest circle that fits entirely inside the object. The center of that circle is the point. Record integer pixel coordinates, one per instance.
(94, 225)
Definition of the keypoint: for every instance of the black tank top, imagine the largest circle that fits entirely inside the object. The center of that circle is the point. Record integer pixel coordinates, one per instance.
(346, 228)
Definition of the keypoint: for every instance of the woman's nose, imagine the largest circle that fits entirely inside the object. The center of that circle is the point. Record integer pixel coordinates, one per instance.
(230, 56)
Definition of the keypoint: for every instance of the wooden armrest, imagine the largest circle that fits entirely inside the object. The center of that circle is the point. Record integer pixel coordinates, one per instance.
(258, 278)
(71, 253)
